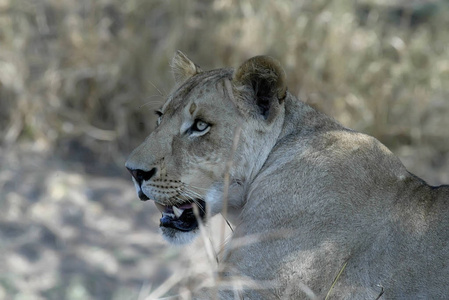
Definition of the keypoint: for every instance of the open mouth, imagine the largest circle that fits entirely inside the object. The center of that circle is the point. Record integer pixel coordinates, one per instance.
(181, 216)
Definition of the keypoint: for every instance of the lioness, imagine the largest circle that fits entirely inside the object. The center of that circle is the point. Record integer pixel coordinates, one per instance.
(336, 214)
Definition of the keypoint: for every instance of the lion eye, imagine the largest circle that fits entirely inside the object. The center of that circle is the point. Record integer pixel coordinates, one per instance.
(159, 119)
(199, 126)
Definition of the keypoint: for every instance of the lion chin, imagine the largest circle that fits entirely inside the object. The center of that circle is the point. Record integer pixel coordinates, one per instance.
(179, 223)
(177, 237)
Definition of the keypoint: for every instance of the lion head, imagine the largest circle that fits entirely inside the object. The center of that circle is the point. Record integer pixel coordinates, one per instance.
(213, 135)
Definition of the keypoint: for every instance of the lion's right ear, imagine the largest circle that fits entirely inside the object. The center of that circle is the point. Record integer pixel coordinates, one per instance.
(261, 81)
(183, 68)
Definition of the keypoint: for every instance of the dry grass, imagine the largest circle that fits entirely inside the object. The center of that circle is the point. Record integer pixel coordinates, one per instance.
(94, 70)
(81, 78)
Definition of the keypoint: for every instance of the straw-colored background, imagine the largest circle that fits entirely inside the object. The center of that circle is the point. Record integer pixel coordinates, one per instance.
(79, 81)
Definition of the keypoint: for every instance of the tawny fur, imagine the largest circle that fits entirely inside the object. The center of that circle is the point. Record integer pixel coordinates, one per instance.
(318, 198)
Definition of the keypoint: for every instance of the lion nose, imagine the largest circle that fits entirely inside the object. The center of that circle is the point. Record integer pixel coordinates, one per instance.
(141, 175)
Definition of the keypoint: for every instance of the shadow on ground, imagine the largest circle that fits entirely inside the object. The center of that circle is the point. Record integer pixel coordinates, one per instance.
(69, 234)
(66, 234)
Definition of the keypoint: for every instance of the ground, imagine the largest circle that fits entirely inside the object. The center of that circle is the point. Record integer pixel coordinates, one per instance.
(67, 233)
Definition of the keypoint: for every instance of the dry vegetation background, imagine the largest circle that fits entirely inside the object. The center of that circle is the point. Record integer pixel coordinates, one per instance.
(79, 81)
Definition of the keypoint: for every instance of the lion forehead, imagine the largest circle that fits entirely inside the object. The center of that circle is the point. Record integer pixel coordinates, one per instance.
(202, 88)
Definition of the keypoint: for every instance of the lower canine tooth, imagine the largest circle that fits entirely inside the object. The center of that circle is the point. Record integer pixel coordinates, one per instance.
(178, 212)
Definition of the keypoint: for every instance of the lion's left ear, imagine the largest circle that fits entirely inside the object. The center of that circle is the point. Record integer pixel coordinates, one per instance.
(264, 77)
(183, 68)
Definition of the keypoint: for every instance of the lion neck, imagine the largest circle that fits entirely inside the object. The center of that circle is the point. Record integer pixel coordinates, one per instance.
(296, 119)
(301, 119)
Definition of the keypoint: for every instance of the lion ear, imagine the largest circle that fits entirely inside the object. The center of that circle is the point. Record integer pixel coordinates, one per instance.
(183, 68)
(264, 77)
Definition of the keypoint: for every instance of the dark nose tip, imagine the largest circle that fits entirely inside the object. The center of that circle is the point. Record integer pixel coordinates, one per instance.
(141, 175)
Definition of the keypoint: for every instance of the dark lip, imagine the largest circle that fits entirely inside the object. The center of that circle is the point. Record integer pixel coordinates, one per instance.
(187, 221)
(142, 196)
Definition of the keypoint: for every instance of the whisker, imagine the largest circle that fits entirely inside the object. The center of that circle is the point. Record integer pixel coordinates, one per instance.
(190, 186)
(186, 186)
(192, 192)
(193, 197)
(162, 94)
(152, 103)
